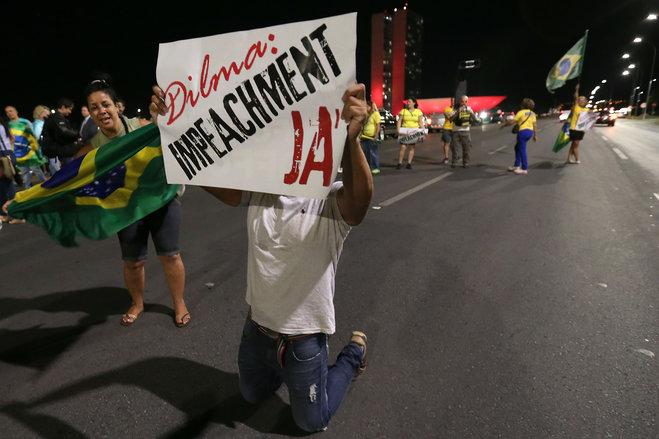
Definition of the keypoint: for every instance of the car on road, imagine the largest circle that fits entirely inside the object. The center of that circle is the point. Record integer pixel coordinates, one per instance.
(435, 122)
(606, 118)
(387, 124)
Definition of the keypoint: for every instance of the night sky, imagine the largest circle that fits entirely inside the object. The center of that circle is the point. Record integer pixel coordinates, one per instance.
(51, 52)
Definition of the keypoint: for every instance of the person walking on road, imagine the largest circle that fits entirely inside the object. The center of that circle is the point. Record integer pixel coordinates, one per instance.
(60, 139)
(447, 130)
(163, 224)
(370, 136)
(26, 148)
(40, 114)
(576, 136)
(88, 128)
(462, 116)
(409, 117)
(526, 121)
(291, 314)
(7, 187)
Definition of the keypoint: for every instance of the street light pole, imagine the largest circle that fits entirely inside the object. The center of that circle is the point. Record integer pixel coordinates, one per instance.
(647, 97)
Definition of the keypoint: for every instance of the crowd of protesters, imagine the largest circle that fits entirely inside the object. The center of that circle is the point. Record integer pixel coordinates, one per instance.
(40, 147)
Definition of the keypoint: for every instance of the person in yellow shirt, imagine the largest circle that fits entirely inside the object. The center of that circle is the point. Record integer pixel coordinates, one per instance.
(409, 117)
(576, 136)
(447, 132)
(525, 119)
(369, 138)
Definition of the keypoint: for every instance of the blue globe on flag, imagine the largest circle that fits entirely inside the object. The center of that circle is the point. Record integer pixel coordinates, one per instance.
(564, 67)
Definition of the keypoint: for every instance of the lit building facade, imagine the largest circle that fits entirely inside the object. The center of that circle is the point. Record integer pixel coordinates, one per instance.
(396, 58)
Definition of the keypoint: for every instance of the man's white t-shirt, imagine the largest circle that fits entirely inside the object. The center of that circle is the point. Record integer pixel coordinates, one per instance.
(294, 249)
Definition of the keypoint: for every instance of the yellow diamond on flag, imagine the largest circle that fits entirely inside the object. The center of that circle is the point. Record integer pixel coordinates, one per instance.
(565, 66)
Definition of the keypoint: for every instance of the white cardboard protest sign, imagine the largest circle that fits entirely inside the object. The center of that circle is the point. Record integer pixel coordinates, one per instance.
(410, 136)
(585, 121)
(258, 110)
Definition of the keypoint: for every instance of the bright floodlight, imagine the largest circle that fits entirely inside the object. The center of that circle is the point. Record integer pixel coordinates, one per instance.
(625, 56)
(631, 66)
(638, 39)
(652, 17)
(603, 81)
(625, 73)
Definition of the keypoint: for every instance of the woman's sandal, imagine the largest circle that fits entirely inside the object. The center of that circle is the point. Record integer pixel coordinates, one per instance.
(128, 319)
(185, 320)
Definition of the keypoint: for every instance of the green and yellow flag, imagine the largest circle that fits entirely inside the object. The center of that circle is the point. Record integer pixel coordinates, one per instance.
(26, 147)
(563, 137)
(102, 192)
(568, 67)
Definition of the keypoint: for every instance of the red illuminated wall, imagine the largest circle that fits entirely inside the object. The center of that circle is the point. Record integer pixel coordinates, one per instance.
(477, 103)
(377, 57)
(398, 68)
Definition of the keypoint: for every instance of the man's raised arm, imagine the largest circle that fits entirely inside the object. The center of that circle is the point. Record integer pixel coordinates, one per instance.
(354, 197)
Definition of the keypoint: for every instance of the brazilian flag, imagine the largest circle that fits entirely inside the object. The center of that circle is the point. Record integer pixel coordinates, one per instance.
(568, 67)
(102, 192)
(26, 147)
(563, 137)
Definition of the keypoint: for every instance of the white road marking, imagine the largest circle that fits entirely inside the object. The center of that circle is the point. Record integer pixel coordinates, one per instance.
(498, 149)
(415, 189)
(604, 137)
(620, 154)
(656, 195)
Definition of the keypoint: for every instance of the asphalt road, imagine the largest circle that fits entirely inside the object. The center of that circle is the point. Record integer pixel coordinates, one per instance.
(496, 305)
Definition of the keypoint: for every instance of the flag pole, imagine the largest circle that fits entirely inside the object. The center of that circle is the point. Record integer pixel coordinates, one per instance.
(583, 56)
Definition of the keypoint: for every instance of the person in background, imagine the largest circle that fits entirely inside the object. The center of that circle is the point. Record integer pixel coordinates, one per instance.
(60, 139)
(526, 120)
(121, 106)
(7, 187)
(576, 136)
(409, 117)
(26, 148)
(291, 310)
(370, 136)
(40, 113)
(88, 128)
(163, 224)
(461, 117)
(447, 131)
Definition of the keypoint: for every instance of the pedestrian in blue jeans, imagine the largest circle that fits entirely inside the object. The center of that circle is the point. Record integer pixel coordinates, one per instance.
(369, 138)
(525, 120)
(294, 246)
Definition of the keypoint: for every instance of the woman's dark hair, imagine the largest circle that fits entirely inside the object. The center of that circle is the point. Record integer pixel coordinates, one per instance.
(101, 82)
(528, 104)
(416, 104)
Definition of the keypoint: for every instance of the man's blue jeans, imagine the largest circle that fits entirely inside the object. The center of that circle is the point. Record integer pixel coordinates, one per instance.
(315, 392)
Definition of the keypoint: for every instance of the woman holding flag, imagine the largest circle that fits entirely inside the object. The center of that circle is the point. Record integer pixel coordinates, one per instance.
(162, 224)
(576, 135)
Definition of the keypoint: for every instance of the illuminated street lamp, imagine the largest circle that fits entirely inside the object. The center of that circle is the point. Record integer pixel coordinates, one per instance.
(638, 40)
(652, 17)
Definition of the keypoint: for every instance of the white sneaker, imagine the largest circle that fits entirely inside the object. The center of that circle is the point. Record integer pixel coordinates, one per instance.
(513, 168)
(520, 172)
(578, 162)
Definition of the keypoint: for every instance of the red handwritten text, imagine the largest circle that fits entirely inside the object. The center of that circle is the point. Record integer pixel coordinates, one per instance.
(179, 96)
